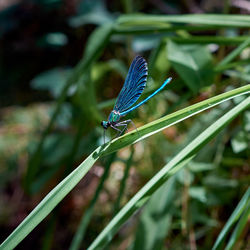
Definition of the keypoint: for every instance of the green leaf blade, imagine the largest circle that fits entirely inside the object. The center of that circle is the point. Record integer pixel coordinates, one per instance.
(174, 165)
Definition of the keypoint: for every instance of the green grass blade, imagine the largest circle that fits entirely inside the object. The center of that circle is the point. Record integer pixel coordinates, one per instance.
(233, 219)
(80, 233)
(231, 65)
(168, 120)
(239, 228)
(155, 220)
(142, 23)
(234, 53)
(175, 164)
(67, 184)
(204, 19)
(222, 40)
(49, 202)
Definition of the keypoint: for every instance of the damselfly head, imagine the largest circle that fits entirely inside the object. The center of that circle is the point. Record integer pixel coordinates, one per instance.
(105, 124)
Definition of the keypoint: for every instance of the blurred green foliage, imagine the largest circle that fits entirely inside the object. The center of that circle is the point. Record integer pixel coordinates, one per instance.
(62, 63)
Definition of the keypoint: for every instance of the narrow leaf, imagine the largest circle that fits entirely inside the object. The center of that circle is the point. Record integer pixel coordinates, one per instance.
(233, 219)
(193, 64)
(67, 184)
(179, 161)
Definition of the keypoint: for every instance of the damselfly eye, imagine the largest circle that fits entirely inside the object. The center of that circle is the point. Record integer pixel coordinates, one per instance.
(104, 124)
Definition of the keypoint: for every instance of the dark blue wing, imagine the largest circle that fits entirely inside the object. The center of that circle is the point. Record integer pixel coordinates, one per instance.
(134, 84)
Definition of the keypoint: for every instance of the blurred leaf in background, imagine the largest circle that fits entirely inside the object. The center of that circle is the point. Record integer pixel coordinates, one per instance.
(91, 12)
(193, 63)
(53, 81)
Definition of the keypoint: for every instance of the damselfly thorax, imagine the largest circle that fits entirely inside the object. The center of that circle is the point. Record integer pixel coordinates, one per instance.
(114, 116)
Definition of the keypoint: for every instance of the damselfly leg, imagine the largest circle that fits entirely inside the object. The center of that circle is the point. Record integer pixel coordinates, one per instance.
(125, 124)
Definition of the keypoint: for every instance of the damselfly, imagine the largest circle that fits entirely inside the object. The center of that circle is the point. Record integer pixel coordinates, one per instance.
(134, 85)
